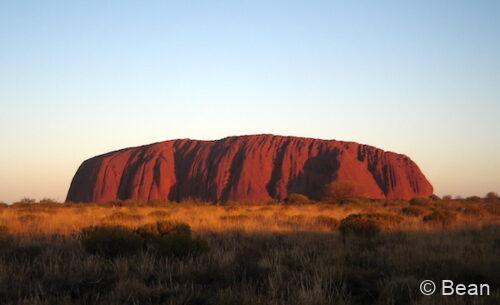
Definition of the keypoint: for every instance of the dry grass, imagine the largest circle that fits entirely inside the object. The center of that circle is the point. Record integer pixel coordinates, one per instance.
(257, 254)
(204, 217)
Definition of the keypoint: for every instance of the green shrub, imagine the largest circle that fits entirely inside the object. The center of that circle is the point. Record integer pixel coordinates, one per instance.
(413, 211)
(111, 241)
(440, 217)
(295, 198)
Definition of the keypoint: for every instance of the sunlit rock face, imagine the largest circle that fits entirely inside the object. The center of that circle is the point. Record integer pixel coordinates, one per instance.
(245, 168)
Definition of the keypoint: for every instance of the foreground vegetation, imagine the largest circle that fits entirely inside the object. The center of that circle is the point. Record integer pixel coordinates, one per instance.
(359, 252)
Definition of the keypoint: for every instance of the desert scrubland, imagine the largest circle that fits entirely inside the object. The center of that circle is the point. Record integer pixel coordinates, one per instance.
(358, 252)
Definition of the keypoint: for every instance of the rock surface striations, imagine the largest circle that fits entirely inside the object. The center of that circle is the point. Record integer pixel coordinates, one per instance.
(245, 168)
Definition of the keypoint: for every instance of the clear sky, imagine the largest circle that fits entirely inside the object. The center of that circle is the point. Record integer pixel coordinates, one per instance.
(80, 78)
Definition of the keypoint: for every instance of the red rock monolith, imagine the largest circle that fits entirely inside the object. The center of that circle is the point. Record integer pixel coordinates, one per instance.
(245, 168)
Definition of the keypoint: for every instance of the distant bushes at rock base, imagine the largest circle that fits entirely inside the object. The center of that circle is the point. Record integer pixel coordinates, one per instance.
(413, 211)
(340, 191)
(421, 201)
(440, 217)
(297, 199)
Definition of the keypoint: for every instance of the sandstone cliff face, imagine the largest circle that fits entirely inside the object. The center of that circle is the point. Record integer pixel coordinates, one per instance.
(245, 168)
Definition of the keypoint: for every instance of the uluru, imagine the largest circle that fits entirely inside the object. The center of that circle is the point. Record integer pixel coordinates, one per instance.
(245, 168)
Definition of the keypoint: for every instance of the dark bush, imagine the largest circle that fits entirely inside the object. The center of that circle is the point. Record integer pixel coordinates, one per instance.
(434, 197)
(48, 201)
(413, 211)
(360, 224)
(493, 209)
(111, 241)
(420, 201)
(473, 199)
(162, 228)
(25, 200)
(295, 198)
(440, 217)
(368, 224)
(133, 203)
(491, 197)
(178, 245)
(168, 238)
(158, 214)
(471, 210)
(352, 200)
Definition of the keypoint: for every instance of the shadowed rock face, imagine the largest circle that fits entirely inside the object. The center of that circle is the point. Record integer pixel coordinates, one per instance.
(245, 168)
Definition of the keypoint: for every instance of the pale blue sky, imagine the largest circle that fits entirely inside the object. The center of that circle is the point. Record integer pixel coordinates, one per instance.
(80, 78)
